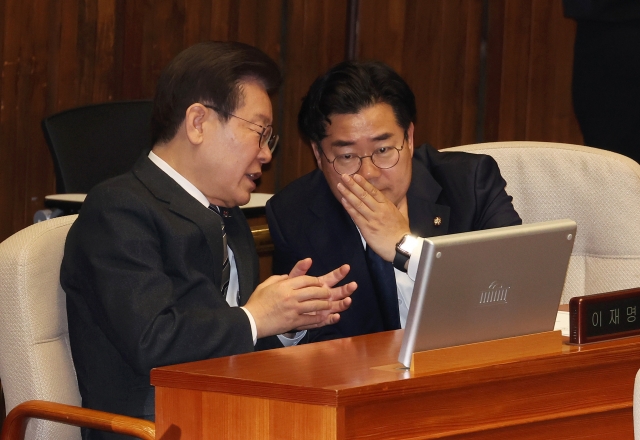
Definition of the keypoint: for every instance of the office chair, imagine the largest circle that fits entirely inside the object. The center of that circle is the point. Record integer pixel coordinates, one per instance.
(36, 367)
(93, 143)
(598, 189)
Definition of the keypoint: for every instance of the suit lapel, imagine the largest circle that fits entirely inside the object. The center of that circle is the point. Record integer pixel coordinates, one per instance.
(183, 204)
(426, 217)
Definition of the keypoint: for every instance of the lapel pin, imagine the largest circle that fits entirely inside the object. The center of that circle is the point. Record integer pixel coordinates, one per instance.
(437, 221)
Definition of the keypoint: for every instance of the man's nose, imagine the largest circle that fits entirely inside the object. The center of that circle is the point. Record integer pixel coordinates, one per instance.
(265, 155)
(368, 170)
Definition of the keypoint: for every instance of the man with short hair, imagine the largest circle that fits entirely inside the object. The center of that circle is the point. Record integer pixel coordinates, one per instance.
(160, 267)
(374, 195)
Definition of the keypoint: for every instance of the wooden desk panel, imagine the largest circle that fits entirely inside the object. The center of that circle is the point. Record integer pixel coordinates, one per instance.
(338, 390)
(3, 409)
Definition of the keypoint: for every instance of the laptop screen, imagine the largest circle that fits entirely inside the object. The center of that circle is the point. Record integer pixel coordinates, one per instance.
(484, 285)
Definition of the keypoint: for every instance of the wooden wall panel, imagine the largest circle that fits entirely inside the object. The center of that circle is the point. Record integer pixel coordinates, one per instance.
(31, 103)
(24, 163)
(8, 153)
(435, 46)
(551, 107)
(530, 57)
(315, 40)
(9, 158)
(383, 24)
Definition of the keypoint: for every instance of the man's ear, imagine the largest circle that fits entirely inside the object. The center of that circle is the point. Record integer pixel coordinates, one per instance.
(195, 116)
(316, 152)
(410, 138)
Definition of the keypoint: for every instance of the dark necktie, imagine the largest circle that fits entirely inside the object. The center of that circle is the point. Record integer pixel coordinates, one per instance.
(384, 282)
(226, 268)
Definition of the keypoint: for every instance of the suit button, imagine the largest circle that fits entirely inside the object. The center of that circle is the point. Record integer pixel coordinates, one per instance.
(437, 221)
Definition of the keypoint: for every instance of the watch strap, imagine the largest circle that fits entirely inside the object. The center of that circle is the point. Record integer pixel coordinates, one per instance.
(400, 261)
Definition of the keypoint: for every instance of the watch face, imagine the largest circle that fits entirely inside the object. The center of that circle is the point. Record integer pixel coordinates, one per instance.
(407, 244)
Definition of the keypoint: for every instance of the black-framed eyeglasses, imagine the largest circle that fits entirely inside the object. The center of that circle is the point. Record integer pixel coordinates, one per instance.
(267, 136)
(383, 157)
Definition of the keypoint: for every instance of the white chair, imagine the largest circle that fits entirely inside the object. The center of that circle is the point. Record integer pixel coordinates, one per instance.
(598, 189)
(35, 358)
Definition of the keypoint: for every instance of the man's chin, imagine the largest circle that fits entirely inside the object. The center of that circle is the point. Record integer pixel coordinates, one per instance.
(243, 199)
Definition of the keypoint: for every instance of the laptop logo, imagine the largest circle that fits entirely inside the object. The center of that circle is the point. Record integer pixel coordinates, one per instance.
(496, 293)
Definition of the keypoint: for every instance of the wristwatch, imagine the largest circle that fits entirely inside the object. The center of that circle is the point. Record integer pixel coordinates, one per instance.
(403, 251)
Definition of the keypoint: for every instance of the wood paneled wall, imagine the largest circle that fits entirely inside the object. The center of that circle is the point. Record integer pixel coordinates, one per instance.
(61, 54)
(435, 46)
(529, 67)
(315, 40)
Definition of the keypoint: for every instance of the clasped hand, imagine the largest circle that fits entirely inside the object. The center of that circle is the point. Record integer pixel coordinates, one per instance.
(381, 223)
(298, 301)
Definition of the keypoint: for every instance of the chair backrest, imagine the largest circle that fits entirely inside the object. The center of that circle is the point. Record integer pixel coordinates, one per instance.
(35, 358)
(598, 189)
(93, 143)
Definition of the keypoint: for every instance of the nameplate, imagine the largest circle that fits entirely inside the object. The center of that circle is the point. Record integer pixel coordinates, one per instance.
(487, 353)
(604, 316)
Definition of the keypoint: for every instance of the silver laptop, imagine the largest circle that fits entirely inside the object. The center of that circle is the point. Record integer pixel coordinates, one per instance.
(484, 285)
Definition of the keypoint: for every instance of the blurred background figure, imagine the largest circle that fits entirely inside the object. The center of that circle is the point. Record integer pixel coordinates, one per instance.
(606, 73)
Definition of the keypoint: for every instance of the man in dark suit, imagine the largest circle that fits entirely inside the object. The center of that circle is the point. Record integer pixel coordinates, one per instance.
(374, 195)
(160, 266)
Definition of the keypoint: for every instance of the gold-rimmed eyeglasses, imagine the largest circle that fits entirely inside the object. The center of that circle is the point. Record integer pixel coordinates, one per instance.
(383, 157)
(267, 136)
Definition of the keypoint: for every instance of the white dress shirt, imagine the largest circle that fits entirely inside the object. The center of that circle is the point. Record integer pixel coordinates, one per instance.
(232, 289)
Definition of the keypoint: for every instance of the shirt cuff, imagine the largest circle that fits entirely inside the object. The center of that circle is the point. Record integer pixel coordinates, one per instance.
(412, 268)
(254, 329)
(288, 342)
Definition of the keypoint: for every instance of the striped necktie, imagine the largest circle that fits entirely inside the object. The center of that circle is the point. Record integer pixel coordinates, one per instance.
(226, 268)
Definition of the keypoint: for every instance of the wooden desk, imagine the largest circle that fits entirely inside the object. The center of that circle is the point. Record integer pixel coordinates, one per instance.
(346, 389)
(3, 410)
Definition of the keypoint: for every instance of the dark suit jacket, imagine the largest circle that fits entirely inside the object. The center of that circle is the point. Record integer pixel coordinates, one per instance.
(141, 271)
(305, 220)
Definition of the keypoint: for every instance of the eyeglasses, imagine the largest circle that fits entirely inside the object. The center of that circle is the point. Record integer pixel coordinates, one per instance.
(383, 157)
(267, 137)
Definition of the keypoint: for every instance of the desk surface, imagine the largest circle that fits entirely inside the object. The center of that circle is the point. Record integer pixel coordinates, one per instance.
(554, 393)
(73, 202)
(258, 200)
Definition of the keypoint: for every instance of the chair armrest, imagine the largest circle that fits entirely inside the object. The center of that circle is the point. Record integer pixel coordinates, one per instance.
(16, 422)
